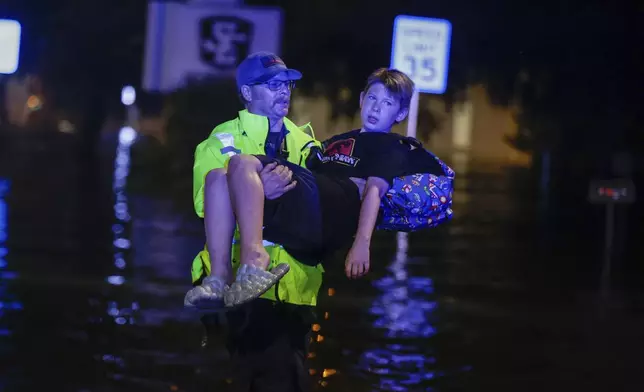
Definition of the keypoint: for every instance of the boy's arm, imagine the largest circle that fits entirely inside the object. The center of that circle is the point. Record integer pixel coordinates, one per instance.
(374, 190)
(357, 263)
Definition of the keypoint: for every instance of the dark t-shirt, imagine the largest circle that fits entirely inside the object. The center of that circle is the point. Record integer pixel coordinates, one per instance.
(373, 154)
(361, 155)
(274, 145)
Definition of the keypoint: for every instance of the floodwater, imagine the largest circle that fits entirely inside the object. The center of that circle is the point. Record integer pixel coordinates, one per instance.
(91, 290)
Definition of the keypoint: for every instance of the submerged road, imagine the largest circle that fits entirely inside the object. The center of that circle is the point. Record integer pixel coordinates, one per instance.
(91, 300)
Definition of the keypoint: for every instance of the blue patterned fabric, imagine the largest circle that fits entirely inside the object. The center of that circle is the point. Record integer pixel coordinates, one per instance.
(418, 201)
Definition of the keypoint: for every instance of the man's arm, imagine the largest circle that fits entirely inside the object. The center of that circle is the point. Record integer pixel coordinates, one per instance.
(357, 262)
(309, 150)
(277, 180)
(309, 143)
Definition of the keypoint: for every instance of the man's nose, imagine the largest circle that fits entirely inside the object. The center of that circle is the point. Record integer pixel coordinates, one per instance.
(284, 90)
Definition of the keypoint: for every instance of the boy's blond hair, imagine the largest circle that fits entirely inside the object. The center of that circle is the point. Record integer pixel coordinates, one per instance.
(395, 81)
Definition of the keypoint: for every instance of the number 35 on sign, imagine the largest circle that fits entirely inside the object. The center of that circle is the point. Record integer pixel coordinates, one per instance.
(420, 48)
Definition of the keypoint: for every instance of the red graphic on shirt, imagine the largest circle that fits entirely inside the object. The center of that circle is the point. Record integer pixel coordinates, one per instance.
(343, 147)
(341, 151)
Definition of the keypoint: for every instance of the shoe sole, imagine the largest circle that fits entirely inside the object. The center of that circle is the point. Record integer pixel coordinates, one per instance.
(205, 306)
(281, 269)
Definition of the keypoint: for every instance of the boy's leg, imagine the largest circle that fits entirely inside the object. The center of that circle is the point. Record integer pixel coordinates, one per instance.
(247, 196)
(235, 195)
(219, 223)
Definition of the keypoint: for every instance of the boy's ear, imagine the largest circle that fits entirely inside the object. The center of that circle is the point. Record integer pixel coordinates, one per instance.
(402, 113)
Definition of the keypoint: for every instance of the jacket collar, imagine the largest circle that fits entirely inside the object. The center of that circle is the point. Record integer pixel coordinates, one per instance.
(256, 126)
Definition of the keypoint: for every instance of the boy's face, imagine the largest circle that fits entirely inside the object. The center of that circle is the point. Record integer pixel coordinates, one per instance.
(379, 109)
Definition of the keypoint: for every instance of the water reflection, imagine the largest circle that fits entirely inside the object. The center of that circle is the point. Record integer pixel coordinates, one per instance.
(403, 314)
(122, 314)
(4, 330)
(8, 303)
(117, 300)
(149, 272)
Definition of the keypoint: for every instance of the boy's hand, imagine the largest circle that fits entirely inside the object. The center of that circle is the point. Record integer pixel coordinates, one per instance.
(357, 262)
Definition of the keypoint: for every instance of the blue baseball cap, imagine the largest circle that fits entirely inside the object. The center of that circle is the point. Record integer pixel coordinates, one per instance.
(260, 67)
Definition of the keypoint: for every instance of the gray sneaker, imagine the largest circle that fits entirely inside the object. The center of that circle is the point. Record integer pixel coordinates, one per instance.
(208, 296)
(251, 282)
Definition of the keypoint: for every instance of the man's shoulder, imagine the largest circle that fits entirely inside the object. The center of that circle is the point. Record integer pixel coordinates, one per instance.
(232, 126)
(302, 135)
(307, 129)
(223, 133)
(302, 130)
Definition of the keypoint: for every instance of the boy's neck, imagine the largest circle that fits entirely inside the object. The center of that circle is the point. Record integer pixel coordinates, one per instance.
(364, 130)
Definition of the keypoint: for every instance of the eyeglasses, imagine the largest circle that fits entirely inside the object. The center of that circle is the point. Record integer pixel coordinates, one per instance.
(276, 85)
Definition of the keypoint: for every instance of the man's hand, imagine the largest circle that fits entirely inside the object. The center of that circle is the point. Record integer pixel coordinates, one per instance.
(357, 262)
(276, 180)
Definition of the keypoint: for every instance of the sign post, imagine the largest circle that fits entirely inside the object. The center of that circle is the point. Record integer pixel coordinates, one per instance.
(420, 48)
(620, 191)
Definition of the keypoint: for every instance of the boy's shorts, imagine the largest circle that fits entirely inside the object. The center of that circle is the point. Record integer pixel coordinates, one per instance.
(297, 220)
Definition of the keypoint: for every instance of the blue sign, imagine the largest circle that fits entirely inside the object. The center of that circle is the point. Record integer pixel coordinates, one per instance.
(9, 46)
(420, 48)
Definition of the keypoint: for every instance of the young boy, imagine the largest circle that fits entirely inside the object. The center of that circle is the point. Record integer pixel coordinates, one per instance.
(334, 204)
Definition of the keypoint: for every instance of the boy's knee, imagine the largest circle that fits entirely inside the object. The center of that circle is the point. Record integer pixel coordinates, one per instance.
(216, 175)
(243, 162)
